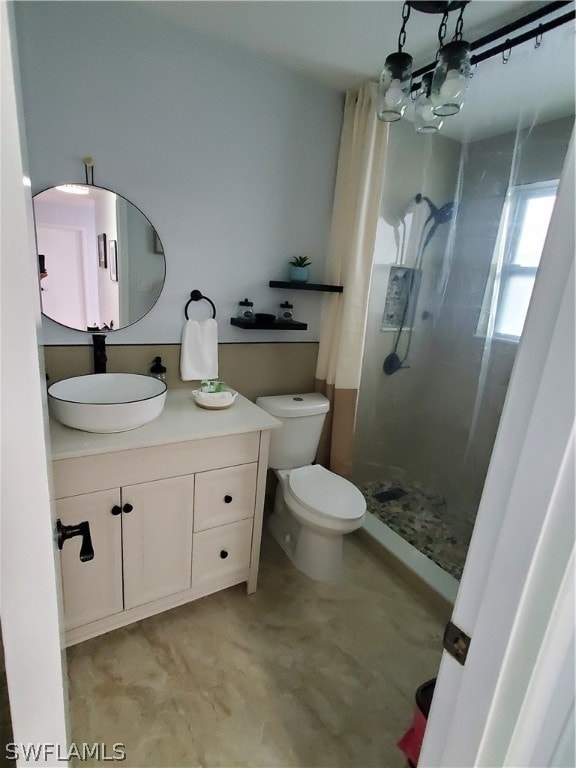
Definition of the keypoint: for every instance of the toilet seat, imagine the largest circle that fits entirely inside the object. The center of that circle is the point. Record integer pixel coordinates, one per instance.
(325, 493)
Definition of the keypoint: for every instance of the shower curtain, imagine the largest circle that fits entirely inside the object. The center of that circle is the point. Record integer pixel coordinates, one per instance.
(359, 183)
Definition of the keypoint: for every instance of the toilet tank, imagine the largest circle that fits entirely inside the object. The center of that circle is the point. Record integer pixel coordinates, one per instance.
(295, 443)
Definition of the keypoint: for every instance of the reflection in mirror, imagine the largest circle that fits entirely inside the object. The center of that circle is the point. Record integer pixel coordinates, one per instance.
(101, 261)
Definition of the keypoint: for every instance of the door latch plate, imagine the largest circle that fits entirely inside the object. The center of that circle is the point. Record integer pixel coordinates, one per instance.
(456, 642)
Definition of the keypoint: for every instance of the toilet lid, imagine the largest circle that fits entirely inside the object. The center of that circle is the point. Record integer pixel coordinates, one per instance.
(326, 493)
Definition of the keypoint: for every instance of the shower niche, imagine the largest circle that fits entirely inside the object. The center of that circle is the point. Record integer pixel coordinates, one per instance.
(401, 298)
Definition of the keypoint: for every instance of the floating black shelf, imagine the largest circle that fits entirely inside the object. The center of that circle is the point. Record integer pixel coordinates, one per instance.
(305, 286)
(275, 325)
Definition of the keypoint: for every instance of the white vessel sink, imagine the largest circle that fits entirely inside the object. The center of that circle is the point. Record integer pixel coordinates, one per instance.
(107, 402)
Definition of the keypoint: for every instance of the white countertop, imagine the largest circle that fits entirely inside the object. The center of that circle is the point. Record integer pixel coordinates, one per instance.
(180, 421)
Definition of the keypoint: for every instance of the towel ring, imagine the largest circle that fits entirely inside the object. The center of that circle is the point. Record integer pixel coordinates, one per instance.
(197, 296)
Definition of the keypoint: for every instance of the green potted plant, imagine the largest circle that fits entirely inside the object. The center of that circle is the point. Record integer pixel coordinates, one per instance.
(299, 269)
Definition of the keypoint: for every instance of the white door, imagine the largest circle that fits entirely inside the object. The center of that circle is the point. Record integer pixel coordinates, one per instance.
(157, 524)
(513, 586)
(30, 592)
(63, 290)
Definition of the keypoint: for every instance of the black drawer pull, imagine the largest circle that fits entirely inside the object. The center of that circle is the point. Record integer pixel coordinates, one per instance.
(223, 554)
(227, 499)
(127, 507)
(116, 510)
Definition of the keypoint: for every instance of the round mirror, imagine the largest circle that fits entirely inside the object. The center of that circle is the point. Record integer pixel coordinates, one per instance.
(101, 261)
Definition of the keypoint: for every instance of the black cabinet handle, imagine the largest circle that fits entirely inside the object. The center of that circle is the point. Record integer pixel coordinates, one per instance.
(227, 499)
(65, 532)
(116, 510)
(223, 554)
(127, 507)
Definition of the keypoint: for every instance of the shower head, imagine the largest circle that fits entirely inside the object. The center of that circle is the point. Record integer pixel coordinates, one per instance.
(438, 215)
(441, 216)
(445, 213)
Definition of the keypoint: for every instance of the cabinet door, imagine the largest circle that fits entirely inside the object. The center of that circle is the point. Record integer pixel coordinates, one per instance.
(224, 496)
(93, 589)
(157, 539)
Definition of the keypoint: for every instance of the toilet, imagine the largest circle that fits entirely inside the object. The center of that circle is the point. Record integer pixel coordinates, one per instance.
(314, 507)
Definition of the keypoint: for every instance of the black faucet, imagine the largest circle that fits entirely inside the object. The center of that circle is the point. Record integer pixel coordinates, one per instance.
(99, 342)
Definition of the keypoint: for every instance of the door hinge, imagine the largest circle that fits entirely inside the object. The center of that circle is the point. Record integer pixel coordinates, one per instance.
(456, 642)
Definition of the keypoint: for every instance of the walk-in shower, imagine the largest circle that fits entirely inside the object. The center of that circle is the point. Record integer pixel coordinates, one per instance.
(463, 222)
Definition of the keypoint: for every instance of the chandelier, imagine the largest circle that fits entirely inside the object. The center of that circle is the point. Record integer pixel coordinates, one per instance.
(440, 87)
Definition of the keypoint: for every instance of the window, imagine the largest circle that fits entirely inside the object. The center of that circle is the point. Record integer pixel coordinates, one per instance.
(526, 217)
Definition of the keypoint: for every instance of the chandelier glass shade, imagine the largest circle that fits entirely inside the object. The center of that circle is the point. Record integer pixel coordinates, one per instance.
(450, 78)
(425, 121)
(394, 87)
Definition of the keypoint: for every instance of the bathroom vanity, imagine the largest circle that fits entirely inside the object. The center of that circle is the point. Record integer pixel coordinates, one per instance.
(174, 509)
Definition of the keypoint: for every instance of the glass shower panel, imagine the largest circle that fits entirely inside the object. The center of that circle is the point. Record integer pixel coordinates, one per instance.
(467, 211)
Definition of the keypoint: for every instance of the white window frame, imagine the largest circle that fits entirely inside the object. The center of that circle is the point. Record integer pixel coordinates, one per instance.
(503, 266)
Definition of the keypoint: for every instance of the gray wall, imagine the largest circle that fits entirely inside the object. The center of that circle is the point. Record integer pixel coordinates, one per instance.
(232, 157)
(419, 423)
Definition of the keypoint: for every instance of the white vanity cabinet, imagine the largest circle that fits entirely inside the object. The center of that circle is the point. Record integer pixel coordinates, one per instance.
(169, 522)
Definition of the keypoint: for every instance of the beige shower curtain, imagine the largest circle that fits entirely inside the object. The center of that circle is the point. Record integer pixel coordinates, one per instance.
(359, 182)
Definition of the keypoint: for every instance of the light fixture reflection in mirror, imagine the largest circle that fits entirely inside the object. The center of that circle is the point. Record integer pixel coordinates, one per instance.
(104, 264)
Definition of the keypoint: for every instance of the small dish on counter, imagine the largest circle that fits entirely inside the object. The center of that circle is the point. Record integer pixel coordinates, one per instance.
(214, 401)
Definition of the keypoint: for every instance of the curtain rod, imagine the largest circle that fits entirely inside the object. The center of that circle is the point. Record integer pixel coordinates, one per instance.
(530, 35)
(510, 42)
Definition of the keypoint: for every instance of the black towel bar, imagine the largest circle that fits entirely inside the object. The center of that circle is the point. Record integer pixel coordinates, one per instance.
(197, 296)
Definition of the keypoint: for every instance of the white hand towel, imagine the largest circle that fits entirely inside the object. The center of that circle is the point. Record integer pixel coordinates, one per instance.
(199, 351)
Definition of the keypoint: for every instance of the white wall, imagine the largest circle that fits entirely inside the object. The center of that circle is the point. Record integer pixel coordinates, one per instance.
(231, 157)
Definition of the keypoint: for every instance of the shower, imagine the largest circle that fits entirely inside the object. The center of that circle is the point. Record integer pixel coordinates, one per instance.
(465, 208)
(437, 216)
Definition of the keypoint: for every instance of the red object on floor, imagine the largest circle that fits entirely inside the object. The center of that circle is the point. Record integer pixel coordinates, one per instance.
(411, 742)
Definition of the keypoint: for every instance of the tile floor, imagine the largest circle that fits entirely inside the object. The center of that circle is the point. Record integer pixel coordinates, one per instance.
(299, 674)
(423, 519)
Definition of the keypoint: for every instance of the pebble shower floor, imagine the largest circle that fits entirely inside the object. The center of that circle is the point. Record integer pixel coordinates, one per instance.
(423, 519)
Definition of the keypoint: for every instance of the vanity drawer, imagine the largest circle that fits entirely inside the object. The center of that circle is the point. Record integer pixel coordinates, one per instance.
(221, 556)
(225, 495)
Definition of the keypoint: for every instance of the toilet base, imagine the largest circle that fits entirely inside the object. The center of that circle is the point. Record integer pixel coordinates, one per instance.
(317, 555)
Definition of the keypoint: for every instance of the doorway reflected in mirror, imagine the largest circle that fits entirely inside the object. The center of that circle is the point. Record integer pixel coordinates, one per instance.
(104, 259)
